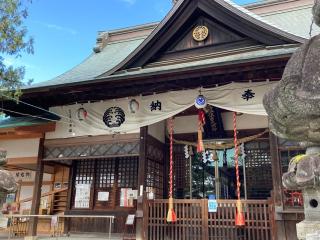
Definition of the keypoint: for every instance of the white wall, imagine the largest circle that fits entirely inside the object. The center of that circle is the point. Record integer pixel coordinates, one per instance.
(189, 124)
(21, 147)
(186, 124)
(157, 131)
(26, 192)
(245, 121)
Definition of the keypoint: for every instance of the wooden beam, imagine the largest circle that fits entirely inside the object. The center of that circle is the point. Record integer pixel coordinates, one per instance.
(15, 135)
(92, 140)
(32, 183)
(140, 231)
(32, 231)
(258, 70)
(12, 168)
(22, 160)
(42, 128)
(29, 163)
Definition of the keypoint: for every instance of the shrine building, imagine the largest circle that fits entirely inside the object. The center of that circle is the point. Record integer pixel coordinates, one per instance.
(95, 141)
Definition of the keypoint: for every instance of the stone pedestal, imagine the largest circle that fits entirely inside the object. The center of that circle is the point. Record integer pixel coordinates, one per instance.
(310, 227)
(308, 230)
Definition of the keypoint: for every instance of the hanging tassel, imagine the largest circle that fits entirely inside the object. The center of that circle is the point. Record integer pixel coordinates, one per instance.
(171, 217)
(240, 220)
(201, 122)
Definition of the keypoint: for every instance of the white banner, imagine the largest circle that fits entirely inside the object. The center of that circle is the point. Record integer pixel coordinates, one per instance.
(127, 115)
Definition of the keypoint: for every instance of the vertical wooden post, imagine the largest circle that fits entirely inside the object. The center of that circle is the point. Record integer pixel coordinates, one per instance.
(205, 225)
(70, 185)
(146, 219)
(140, 231)
(278, 230)
(276, 171)
(67, 221)
(32, 230)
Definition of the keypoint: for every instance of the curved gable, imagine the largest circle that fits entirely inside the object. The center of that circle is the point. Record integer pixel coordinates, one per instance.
(233, 24)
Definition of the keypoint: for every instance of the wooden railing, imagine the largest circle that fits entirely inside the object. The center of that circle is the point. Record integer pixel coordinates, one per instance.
(52, 197)
(194, 221)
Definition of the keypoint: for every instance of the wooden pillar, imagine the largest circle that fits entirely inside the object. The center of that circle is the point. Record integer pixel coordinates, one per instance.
(35, 205)
(67, 221)
(140, 231)
(276, 171)
(279, 230)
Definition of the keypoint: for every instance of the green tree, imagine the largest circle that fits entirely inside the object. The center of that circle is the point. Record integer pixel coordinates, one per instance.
(13, 42)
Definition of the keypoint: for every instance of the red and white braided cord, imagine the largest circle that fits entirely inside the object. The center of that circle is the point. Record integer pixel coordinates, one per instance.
(171, 158)
(236, 153)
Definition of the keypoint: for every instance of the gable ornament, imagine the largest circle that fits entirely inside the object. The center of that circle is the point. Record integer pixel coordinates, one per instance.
(200, 33)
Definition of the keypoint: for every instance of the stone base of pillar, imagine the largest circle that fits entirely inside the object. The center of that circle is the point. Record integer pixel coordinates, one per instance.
(308, 230)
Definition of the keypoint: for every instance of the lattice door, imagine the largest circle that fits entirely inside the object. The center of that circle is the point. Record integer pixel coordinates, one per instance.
(258, 169)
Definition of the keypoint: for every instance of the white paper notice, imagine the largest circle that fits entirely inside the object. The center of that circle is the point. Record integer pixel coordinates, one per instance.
(130, 219)
(82, 199)
(103, 196)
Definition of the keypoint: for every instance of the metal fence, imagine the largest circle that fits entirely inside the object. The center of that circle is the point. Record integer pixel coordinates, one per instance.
(18, 224)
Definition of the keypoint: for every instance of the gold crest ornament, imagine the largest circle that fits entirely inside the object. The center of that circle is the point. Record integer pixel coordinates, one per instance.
(200, 33)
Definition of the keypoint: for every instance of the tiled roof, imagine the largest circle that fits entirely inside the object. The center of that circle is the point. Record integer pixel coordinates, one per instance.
(297, 21)
(293, 21)
(284, 28)
(96, 64)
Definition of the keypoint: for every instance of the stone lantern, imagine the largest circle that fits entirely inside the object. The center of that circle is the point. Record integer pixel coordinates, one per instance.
(7, 181)
(293, 108)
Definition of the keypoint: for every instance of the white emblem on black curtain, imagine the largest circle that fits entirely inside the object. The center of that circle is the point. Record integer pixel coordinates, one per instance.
(114, 117)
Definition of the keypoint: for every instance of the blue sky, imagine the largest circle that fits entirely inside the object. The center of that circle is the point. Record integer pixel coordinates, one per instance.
(65, 30)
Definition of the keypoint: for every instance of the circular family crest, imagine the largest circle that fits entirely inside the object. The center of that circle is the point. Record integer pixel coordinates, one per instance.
(114, 117)
(200, 33)
(200, 102)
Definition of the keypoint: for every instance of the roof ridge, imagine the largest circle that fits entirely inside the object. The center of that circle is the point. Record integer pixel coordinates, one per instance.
(261, 3)
(134, 27)
(284, 11)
